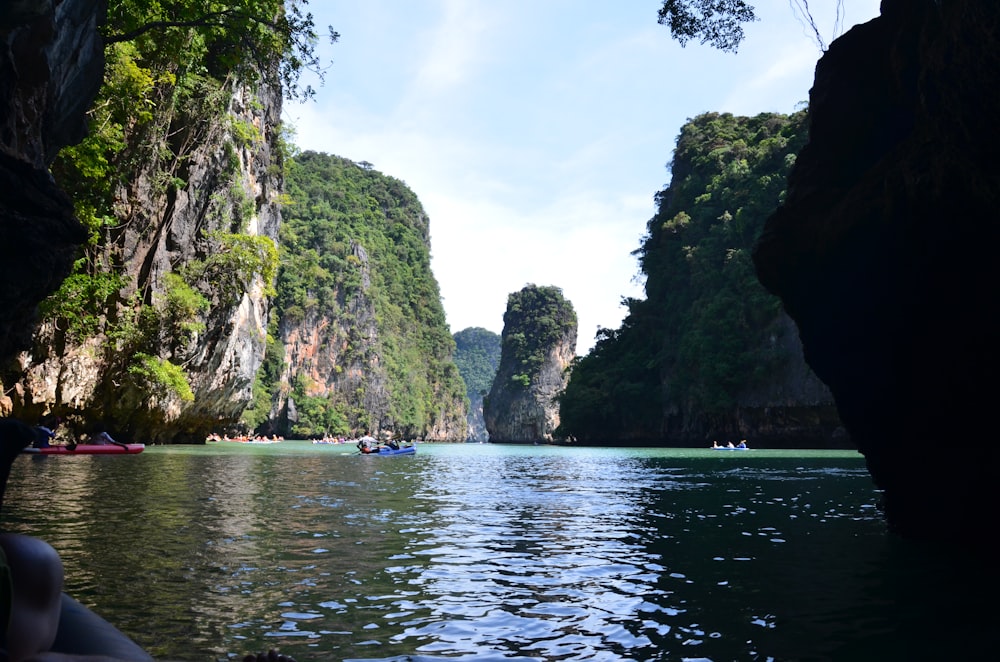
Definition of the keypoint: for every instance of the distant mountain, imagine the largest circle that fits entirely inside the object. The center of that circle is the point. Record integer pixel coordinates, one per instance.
(477, 355)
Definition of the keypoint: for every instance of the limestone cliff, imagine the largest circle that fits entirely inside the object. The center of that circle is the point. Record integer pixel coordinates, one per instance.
(883, 256)
(708, 354)
(362, 345)
(538, 344)
(159, 331)
(51, 64)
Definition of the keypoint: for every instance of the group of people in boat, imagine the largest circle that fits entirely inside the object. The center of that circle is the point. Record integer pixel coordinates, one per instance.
(246, 439)
(45, 436)
(330, 439)
(730, 446)
(368, 444)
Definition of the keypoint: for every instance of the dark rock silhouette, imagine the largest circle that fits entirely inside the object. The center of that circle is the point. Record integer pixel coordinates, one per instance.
(51, 67)
(883, 254)
(14, 436)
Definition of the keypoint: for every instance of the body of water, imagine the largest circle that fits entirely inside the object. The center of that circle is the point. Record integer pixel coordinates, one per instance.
(490, 552)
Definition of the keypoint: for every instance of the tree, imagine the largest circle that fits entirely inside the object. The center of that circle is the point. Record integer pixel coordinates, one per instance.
(720, 22)
(715, 22)
(275, 39)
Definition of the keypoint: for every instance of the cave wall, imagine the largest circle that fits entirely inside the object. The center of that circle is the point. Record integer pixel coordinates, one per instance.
(883, 255)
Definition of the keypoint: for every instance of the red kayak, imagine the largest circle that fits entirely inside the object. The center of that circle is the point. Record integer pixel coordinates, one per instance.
(89, 449)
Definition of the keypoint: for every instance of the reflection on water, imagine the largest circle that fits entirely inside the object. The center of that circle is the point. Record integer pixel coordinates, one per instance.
(494, 552)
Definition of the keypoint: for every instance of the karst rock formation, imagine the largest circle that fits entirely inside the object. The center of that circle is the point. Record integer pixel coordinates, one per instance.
(883, 254)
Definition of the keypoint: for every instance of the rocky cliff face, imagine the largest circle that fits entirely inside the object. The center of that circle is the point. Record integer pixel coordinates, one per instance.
(518, 414)
(538, 343)
(792, 408)
(882, 255)
(366, 349)
(336, 360)
(477, 356)
(202, 191)
(51, 65)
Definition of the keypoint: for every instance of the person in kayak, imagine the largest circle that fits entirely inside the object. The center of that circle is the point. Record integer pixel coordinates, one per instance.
(45, 432)
(270, 656)
(102, 438)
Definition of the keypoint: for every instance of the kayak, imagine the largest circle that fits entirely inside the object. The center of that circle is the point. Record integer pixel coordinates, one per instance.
(89, 449)
(385, 450)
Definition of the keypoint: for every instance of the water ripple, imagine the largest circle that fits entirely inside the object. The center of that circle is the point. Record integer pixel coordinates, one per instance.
(461, 553)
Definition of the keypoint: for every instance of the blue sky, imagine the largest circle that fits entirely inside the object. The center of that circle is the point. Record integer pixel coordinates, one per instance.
(536, 132)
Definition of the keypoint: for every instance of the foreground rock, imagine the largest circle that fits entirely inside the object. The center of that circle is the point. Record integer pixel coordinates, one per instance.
(883, 255)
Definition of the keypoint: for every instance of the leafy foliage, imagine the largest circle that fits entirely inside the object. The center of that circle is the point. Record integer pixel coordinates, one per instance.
(161, 378)
(183, 308)
(79, 305)
(477, 356)
(695, 342)
(271, 39)
(237, 262)
(536, 318)
(715, 22)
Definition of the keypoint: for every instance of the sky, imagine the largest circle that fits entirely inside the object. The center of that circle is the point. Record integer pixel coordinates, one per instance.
(536, 132)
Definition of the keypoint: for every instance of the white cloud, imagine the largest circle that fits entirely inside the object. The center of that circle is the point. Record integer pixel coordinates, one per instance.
(453, 49)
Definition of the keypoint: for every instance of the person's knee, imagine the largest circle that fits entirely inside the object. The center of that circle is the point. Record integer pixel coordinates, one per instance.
(35, 569)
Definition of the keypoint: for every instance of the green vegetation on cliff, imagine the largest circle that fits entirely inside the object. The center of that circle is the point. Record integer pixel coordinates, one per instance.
(537, 345)
(355, 242)
(697, 341)
(477, 356)
(178, 79)
(536, 317)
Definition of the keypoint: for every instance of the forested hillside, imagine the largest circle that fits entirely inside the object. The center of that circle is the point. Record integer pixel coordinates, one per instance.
(708, 353)
(359, 341)
(477, 355)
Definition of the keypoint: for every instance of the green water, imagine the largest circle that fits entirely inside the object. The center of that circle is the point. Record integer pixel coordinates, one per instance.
(498, 552)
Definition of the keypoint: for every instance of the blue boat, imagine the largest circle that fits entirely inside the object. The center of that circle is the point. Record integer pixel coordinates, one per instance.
(385, 450)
